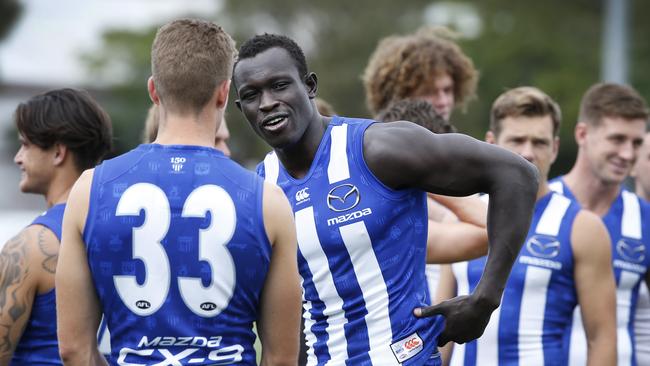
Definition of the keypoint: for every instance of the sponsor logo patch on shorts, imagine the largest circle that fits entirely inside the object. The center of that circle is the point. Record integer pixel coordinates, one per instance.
(407, 347)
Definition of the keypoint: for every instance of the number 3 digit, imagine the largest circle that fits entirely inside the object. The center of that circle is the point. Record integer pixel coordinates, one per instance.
(207, 301)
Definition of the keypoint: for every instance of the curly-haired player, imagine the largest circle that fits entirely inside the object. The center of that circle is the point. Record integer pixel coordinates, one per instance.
(427, 64)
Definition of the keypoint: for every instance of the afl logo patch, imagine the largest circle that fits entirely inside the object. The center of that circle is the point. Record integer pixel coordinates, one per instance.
(631, 250)
(543, 246)
(343, 197)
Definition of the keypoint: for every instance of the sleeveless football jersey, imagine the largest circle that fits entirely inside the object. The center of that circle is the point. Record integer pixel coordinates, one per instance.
(361, 256)
(630, 259)
(178, 254)
(38, 344)
(539, 298)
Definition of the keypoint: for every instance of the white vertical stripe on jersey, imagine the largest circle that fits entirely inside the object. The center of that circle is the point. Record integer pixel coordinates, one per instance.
(624, 301)
(462, 283)
(487, 347)
(549, 223)
(271, 168)
(556, 187)
(531, 316)
(311, 249)
(631, 223)
(338, 169)
(373, 288)
(310, 338)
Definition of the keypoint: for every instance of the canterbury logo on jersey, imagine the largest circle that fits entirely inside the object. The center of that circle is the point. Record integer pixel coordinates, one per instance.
(343, 197)
(407, 347)
(302, 196)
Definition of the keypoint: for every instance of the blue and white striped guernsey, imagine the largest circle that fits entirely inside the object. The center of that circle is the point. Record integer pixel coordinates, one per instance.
(631, 260)
(539, 297)
(361, 256)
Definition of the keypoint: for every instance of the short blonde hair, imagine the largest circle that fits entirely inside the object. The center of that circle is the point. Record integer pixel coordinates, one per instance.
(525, 101)
(190, 58)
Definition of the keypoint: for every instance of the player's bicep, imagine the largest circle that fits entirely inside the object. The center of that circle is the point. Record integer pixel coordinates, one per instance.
(402, 154)
(17, 290)
(593, 273)
(279, 323)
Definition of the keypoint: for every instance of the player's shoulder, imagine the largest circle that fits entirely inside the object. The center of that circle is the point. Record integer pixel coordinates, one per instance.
(589, 234)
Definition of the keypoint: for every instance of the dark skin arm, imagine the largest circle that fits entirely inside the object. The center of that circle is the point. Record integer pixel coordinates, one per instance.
(458, 165)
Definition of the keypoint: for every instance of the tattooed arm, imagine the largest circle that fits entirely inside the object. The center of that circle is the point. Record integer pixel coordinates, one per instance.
(24, 264)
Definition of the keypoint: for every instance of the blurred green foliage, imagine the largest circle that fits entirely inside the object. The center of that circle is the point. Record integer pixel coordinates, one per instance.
(553, 44)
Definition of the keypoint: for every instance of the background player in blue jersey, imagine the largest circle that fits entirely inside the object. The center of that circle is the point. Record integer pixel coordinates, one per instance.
(62, 133)
(565, 262)
(358, 192)
(182, 248)
(612, 122)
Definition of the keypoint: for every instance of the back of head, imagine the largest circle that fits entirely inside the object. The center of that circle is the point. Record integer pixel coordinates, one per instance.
(69, 117)
(190, 58)
(262, 42)
(400, 65)
(612, 100)
(525, 101)
(417, 111)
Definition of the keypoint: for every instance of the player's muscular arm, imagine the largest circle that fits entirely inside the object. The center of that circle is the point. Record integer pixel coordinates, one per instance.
(402, 155)
(595, 286)
(279, 323)
(77, 308)
(17, 290)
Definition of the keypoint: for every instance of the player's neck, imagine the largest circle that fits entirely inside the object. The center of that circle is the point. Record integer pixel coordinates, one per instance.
(60, 186)
(298, 158)
(591, 192)
(543, 189)
(187, 130)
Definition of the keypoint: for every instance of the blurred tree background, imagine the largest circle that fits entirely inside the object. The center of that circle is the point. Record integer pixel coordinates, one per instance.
(553, 44)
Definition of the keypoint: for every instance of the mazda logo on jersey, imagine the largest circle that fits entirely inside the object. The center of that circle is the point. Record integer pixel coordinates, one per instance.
(343, 197)
(543, 246)
(631, 250)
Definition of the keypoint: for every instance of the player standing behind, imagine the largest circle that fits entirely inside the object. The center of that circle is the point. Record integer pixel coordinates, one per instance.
(612, 121)
(425, 65)
(62, 133)
(358, 194)
(183, 246)
(565, 261)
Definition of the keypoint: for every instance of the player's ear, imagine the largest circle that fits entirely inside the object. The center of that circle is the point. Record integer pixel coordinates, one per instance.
(311, 82)
(60, 153)
(580, 133)
(153, 93)
(222, 94)
(490, 138)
